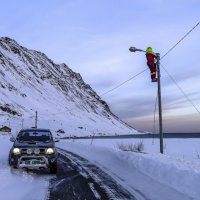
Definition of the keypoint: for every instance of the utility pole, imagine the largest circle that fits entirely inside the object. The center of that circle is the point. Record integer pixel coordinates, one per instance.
(134, 49)
(160, 105)
(36, 119)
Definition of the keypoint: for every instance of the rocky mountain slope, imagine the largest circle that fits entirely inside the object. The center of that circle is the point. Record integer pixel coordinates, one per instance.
(30, 82)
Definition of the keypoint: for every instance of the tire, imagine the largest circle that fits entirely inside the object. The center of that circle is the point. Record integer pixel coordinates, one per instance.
(53, 169)
(9, 161)
(11, 164)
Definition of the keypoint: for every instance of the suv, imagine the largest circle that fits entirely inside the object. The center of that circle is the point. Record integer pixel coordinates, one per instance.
(34, 149)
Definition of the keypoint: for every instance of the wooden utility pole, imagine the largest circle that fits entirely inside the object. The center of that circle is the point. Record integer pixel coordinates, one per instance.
(36, 119)
(133, 49)
(160, 105)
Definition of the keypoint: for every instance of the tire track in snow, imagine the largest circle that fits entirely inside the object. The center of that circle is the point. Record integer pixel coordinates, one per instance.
(77, 178)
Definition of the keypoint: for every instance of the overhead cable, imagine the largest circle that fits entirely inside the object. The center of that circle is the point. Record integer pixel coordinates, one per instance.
(186, 96)
(160, 59)
(123, 82)
(147, 68)
(180, 40)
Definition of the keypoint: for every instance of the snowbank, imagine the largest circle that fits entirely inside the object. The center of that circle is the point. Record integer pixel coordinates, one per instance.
(181, 175)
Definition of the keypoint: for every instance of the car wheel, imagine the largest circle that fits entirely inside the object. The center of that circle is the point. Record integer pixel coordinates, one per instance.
(11, 164)
(9, 161)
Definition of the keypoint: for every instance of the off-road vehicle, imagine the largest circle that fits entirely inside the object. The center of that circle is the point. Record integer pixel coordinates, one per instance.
(33, 149)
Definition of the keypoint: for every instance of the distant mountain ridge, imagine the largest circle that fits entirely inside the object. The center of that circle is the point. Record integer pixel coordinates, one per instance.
(30, 81)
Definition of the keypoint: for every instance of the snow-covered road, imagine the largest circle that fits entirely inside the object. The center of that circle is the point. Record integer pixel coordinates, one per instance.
(137, 176)
(18, 184)
(78, 178)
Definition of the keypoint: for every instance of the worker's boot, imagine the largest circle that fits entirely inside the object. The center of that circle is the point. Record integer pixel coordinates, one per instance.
(154, 80)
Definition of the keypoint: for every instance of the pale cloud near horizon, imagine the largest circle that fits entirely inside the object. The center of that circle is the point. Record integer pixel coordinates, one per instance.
(93, 37)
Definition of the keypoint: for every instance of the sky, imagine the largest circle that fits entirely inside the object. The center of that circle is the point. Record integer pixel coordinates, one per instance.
(93, 38)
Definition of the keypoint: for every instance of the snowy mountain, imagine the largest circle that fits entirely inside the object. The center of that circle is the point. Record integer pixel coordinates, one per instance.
(30, 82)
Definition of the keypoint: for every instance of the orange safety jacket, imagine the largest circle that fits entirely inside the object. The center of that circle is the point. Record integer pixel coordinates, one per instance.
(150, 59)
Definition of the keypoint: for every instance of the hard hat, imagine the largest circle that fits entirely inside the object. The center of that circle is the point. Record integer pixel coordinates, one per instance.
(149, 49)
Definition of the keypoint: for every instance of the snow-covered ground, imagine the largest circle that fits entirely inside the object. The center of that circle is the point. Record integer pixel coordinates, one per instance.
(180, 148)
(148, 176)
(17, 184)
(154, 175)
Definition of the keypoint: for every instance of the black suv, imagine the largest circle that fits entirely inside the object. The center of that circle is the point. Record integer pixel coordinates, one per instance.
(34, 149)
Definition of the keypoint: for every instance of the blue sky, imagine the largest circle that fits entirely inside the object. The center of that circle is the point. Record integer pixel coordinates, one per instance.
(93, 37)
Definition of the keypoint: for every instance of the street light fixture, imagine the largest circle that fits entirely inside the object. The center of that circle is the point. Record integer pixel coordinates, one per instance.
(134, 49)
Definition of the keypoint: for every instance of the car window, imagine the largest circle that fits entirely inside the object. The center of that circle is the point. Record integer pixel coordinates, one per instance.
(34, 136)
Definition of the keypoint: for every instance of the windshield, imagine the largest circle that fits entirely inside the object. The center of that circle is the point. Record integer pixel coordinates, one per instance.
(34, 136)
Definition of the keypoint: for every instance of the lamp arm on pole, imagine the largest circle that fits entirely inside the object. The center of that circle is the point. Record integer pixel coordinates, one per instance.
(134, 49)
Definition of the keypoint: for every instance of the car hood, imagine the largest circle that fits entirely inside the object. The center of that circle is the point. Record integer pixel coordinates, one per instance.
(33, 144)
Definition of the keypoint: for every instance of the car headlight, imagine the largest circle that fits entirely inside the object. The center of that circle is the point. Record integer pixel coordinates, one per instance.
(50, 151)
(16, 151)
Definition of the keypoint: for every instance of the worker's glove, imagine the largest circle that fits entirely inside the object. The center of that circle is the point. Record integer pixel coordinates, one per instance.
(157, 54)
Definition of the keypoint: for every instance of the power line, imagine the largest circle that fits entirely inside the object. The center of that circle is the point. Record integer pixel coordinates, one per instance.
(160, 59)
(145, 70)
(186, 96)
(123, 82)
(180, 40)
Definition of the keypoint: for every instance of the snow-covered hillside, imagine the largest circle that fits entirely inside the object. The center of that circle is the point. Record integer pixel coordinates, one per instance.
(30, 81)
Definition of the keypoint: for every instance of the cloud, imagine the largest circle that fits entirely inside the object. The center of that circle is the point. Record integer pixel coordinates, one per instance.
(171, 124)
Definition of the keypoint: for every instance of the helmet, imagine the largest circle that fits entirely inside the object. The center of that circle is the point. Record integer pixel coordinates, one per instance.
(149, 50)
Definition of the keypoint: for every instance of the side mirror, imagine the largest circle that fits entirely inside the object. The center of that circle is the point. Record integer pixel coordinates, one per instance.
(12, 139)
(56, 140)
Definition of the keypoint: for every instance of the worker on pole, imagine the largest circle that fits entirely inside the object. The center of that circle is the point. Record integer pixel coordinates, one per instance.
(151, 62)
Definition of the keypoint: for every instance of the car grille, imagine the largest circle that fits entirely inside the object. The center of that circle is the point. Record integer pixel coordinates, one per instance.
(31, 151)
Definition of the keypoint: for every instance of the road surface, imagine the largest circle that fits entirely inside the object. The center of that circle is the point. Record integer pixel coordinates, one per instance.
(78, 179)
